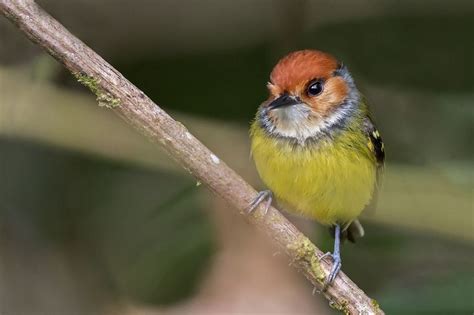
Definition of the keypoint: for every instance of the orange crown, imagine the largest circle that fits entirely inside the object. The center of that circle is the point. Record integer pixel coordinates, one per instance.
(300, 67)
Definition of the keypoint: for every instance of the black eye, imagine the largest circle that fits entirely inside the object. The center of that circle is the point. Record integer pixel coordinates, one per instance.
(314, 88)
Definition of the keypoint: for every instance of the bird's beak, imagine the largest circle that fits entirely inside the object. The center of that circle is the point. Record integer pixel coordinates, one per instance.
(284, 100)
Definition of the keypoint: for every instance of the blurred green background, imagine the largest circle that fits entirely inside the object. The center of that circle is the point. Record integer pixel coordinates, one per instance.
(96, 220)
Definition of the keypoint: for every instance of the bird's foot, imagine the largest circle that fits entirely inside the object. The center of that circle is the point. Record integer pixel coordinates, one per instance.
(336, 266)
(261, 196)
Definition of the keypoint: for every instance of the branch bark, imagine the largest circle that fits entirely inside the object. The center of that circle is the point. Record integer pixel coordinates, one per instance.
(116, 92)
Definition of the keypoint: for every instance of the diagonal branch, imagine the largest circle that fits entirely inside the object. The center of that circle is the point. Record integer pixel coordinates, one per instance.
(116, 92)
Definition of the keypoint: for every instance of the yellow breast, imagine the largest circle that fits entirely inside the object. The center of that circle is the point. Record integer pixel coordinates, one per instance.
(331, 181)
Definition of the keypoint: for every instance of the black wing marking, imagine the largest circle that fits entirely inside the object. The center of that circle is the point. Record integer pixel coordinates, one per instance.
(376, 146)
(375, 142)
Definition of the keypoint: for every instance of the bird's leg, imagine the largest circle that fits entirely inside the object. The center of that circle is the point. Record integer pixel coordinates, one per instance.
(261, 196)
(336, 256)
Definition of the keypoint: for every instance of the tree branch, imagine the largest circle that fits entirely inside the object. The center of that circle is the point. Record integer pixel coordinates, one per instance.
(116, 92)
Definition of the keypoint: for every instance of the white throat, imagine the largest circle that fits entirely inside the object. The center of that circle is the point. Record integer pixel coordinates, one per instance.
(300, 123)
(296, 121)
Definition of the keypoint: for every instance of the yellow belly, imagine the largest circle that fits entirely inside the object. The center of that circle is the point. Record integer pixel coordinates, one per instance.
(330, 182)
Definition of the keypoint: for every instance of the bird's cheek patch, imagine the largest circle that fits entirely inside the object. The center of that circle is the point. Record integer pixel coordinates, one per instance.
(335, 91)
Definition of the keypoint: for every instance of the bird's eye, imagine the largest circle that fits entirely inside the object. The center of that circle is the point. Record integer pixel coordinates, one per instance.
(314, 88)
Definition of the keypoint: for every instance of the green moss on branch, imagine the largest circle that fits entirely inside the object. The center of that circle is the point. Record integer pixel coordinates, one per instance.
(305, 253)
(105, 99)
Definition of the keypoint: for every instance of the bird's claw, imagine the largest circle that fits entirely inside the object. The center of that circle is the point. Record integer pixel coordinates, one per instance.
(324, 256)
(336, 267)
(261, 196)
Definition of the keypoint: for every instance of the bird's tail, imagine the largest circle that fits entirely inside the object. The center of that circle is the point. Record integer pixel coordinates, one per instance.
(351, 231)
(354, 231)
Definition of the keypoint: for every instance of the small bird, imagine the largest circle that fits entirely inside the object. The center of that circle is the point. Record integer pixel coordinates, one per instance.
(316, 147)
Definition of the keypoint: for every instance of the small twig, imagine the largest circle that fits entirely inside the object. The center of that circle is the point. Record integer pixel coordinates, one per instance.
(116, 92)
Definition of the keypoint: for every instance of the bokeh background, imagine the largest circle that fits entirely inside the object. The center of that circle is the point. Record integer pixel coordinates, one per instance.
(96, 220)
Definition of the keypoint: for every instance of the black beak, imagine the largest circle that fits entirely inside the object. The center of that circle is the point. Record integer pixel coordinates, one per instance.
(283, 101)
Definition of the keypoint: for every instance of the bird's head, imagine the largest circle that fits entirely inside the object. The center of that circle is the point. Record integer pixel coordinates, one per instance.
(309, 92)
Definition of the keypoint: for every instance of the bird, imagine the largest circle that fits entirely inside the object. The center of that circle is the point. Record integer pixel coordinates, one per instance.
(316, 147)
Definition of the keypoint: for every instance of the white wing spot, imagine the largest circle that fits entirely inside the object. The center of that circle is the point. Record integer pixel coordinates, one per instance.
(188, 135)
(215, 159)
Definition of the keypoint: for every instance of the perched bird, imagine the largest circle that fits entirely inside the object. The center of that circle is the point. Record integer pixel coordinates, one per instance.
(316, 147)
